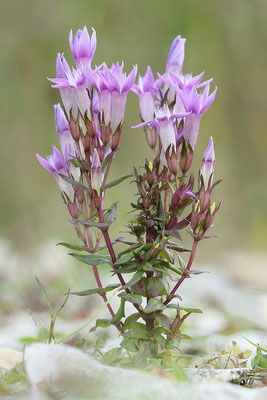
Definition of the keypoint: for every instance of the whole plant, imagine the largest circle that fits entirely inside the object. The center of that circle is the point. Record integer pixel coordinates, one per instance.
(170, 199)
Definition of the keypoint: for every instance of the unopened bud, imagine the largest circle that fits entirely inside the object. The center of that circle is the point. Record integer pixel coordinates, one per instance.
(172, 159)
(73, 210)
(74, 127)
(90, 126)
(187, 155)
(146, 201)
(115, 138)
(105, 133)
(151, 136)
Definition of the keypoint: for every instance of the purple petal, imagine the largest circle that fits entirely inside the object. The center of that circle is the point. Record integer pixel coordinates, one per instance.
(130, 80)
(44, 163)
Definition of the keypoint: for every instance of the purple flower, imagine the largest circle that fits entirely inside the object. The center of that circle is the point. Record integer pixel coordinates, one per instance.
(175, 58)
(83, 47)
(73, 86)
(174, 65)
(145, 89)
(64, 135)
(56, 164)
(112, 86)
(96, 172)
(197, 104)
(165, 124)
(208, 165)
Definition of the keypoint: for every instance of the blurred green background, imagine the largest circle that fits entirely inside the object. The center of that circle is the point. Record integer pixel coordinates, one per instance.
(226, 38)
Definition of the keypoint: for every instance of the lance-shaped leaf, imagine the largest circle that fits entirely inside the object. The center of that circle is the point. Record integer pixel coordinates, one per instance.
(92, 259)
(74, 183)
(100, 291)
(111, 214)
(136, 278)
(154, 286)
(80, 164)
(132, 297)
(154, 305)
(100, 225)
(119, 314)
(74, 247)
(116, 182)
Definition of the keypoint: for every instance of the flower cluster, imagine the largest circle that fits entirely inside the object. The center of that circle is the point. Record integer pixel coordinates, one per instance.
(89, 128)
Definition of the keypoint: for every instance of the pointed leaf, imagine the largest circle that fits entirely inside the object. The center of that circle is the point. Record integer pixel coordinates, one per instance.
(136, 278)
(74, 183)
(74, 247)
(116, 182)
(92, 259)
(111, 214)
(154, 305)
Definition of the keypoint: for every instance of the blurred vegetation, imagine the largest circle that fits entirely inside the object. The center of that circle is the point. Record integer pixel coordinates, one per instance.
(226, 38)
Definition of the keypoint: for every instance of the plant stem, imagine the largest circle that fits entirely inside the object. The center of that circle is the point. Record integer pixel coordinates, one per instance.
(189, 264)
(113, 256)
(97, 277)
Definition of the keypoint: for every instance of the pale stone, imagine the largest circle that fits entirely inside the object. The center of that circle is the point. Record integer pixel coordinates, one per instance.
(9, 357)
(63, 372)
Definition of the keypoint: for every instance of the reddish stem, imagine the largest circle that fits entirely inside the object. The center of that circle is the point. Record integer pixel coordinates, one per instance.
(185, 274)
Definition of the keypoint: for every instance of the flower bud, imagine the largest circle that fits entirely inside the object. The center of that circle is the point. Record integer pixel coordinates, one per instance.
(151, 137)
(187, 155)
(115, 138)
(208, 165)
(96, 173)
(73, 210)
(172, 159)
(146, 200)
(74, 128)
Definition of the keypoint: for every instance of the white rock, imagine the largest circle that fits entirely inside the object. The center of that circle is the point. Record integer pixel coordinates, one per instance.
(9, 357)
(63, 372)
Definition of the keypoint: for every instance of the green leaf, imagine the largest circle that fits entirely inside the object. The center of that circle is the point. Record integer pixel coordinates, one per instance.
(100, 291)
(46, 298)
(111, 356)
(167, 256)
(136, 278)
(154, 287)
(92, 259)
(124, 259)
(148, 267)
(111, 214)
(73, 247)
(154, 305)
(256, 345)
(119, 314)
(74, 183)
(138, 330)
(186, 309)
(100, 225)
(129, 344)
(132, 298)
(103, 323)
(106, 160)
(129, 321)
(88, 292)
(164, 320)
(116, 182)
(112, 286)
(80, 164)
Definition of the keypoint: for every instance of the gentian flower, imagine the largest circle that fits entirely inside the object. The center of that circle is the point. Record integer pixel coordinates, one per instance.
(112, 86)
(197, 104)
(82, 46)
(174, 65)
(145, 90)
(164, 122)
(56, 164)
(208, 165)
(64, 135)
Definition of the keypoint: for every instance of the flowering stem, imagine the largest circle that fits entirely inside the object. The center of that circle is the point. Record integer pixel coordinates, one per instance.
(113, 256)
(185, 274)
(97, 277)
